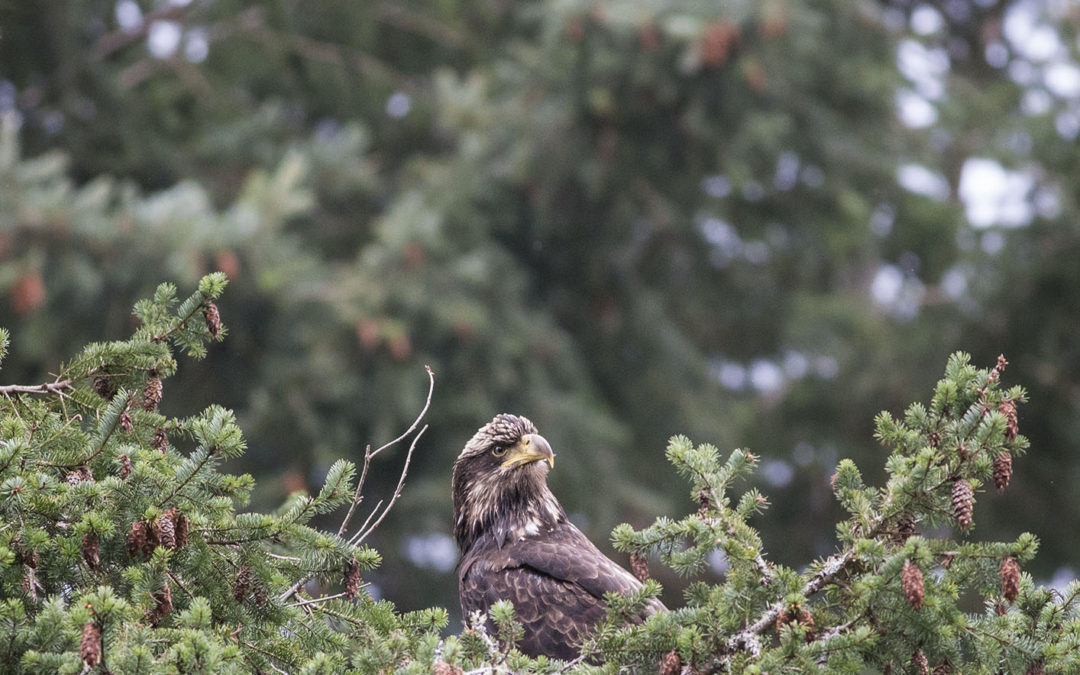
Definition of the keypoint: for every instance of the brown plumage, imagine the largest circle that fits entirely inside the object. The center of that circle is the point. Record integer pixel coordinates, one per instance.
(518, 545)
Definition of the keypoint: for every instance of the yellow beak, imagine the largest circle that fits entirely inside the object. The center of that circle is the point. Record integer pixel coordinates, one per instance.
(531, 448)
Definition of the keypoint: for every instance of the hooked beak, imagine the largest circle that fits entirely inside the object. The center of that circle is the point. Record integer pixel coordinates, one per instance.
(531, 448)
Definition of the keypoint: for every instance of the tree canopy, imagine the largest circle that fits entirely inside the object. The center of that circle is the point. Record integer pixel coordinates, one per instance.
(756, 224)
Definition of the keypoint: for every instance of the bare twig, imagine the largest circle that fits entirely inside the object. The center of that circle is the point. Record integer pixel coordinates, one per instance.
(316, 600)
(54, 387)
(358, 497)
(369, 454)
(371, 515)
(362, 534)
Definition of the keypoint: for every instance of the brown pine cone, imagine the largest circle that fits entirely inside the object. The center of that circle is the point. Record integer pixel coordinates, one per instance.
(260, 594)
(213, 318)
(79, 475)
(165, 529)
(943, 669)
(963, 500)
(805, 618)
(352, 579)
(1035, 668)
(921, 663)
(444, 668)
(164, 604)
(1002, 470)
(640, 566)
(1010, 579)
(137, 538)
(90, 645)
(905, 527)
(911, 581)
(104, 387)
(1008, 409)
(152, 540)
(672, 664)
(91, 551)
(160, 441)
(125, 466)
(152, 392)
(242, 585)
(125, 422)
(183, 525)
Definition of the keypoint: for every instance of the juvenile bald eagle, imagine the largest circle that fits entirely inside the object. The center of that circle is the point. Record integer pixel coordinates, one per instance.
(518, 545)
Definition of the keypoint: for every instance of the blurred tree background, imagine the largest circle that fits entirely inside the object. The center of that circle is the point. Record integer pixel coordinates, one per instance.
(753, 223)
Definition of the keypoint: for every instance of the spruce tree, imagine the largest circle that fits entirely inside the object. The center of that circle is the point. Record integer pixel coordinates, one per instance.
(124, 547)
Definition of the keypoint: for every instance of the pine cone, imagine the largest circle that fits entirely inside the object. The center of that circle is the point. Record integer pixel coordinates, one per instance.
(704, 502)
(29, 583)
(1010, 579)
(1002, 470)
(152, 540)
(79, 475)
(137, 538)
(242, 585)
(444, 668)
(1008, 409)
(905, 527)
(963, 503)
(672, 664)
(1035, 668)
(152, 392)
(104, 388)
(352, 579)
(213, 318)
(921, 663)
(183, 525)
(125, 466)
(260, 594)
(90, 645)
(125, 422)
(784, 616)
(165, 529)
(91, 551)
(164, 604)
(160, 441)
(805, 618)
(911, 581)
(640, 566)
(943, 669)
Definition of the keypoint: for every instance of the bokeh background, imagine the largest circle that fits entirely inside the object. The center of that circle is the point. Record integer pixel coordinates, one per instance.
(753, 223)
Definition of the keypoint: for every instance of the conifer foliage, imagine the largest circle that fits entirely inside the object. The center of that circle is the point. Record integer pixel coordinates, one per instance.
(122, 549)
(892, 598)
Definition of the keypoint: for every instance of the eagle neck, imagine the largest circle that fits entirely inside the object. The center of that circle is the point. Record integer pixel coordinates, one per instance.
(514, 515)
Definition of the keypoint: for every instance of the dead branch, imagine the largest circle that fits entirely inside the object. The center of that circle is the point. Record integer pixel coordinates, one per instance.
(54, 387)
(368, 527)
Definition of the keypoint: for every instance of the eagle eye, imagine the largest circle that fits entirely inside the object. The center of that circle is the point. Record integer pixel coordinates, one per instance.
(498, 451)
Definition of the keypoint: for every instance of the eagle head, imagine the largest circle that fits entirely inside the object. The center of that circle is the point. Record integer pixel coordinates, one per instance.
(500, 482)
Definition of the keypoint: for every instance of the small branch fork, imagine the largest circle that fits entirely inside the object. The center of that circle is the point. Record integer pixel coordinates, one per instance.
(55, 387)
(376, 516)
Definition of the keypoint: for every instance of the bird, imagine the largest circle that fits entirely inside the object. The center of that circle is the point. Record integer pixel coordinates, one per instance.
(517, 543)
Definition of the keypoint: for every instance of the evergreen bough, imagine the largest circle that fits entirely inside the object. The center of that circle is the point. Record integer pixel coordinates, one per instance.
(122, 551)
